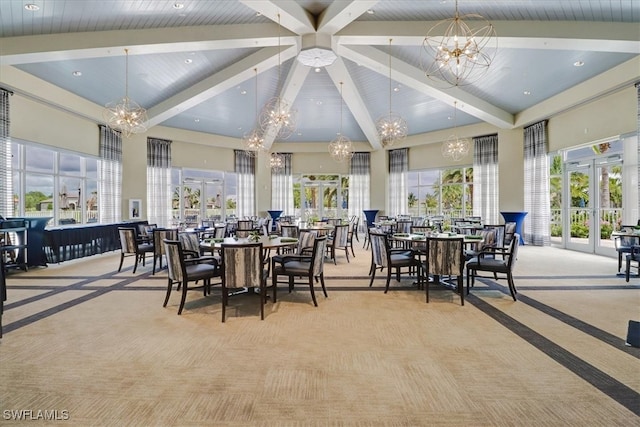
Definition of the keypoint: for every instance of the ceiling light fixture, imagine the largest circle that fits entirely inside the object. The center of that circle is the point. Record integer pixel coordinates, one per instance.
(341, 148)
(458, 53)
(317, 57)
(276, 162)
(178, 6)
(277, 119)
(454, 147)
(31, 7)
(125, 114)
(391, 128)
(253, 141)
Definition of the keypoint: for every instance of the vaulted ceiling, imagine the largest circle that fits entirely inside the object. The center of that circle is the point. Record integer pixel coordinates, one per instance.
(209, 66)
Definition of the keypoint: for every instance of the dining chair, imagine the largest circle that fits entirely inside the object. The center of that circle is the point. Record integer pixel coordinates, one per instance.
(338, 240)
(192, 252)
(181, 273)
(288, 231)
(304, 246)
(352, 232)
(496, 265)
(245, 227)
(130, 246)
(486, 244)
(625, 242)
(509, 232)
(382, 256)
(444, 256)
(159, 234)
(243, 268)
(633, 256)
(295, 265)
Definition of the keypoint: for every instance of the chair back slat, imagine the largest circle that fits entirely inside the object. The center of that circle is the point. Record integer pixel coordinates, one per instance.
(319, 247)
(189, 241)
(379, 248)
(175, 265)
(128, 240)
(340, 235)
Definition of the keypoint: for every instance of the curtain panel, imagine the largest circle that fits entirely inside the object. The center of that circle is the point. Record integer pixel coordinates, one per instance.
(537, 200)
(485, 178)
(159, 182)
(282, 187)
(6, 180)
(359, 183)
(245, 168)
(110, 176)
(638, 132)
(398, 168)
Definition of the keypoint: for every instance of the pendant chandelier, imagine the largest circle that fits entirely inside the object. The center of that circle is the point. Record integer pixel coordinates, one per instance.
(458, 53)
(341, 148)
(276, 162)
(252, 141)
(277, 119)
(125, 115)
(392, 127)
(455, 148)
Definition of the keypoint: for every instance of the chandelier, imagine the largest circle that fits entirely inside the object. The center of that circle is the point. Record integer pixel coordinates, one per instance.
(392, 127)
(125, 114)
(277, 119)
(276, 162)
(341, 148)
(252, 141)
(460, 53)
(455, 148)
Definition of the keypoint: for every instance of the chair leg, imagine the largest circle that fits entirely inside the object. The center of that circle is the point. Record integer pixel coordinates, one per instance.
(388, 279)
(121, 260)
(620, 261)
(324, 289)
(512, 286)
(135, 265)
(274, 285)
(153, 271)
(313, 294)
(372, 272)
(183, 298)
(263, 297)
(346, 252)
(225, 297)
(166, 298)
(460, 289)
(627, 270)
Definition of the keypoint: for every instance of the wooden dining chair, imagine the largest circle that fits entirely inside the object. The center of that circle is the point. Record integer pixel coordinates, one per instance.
(487, 261)
(159, 234)
(181, 273)
(339, 239)
(131, 246)
(382, 256)
(444, 256)
(243, 267)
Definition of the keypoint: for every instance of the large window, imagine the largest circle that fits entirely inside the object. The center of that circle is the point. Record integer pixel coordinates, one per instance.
(202, 194)
(54, 183)
(446, 192)
(320, 196)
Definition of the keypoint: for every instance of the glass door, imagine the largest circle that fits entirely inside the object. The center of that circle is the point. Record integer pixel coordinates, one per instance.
(594, 194)
(321, 198)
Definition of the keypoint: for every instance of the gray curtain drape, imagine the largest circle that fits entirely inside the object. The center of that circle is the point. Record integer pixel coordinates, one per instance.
(282, 186)
(359, 183)
(398, 168)
(159, 182)
(485, 178)
(537, 200)
(110, 182)
(638, 133)
(6, 181)
(245, 167)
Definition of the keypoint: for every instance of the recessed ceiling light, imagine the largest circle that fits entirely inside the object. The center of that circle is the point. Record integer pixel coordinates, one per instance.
(243, 92)
(317, 69)
(32, 7)
(258, 13)
(197, 120)
(371, 11)
(77, 73)
(527, 92)
(578, 64)
(188, 61)
(178, 6)
(318, 102)
(396, 89)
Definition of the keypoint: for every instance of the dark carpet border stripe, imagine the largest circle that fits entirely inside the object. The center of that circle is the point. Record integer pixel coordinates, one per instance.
(608, 385)
(567, 319)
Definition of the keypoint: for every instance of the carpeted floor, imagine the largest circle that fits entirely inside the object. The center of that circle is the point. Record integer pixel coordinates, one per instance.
(91, 346)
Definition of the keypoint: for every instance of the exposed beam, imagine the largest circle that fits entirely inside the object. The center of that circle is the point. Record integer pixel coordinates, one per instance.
(290, 89)
(58, 47)
(354, 101)
(292, 15)
(339, 14)
(218, 83)
(410, 76)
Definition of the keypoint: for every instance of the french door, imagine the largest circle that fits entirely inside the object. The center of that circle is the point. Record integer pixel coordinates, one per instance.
(201, 199)
(321, 198)
(594, 204)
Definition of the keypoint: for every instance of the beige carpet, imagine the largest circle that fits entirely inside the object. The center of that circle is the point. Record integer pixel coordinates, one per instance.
(94, 347)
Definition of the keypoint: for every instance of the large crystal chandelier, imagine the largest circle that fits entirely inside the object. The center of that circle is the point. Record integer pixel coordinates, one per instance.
(277, 119)
(341, 148)
(391, 127)
(459, 53)
(455, 148)
(252, 141)
(125, 114)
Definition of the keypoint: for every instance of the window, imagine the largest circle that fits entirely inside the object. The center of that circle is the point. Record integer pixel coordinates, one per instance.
(447, 192)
